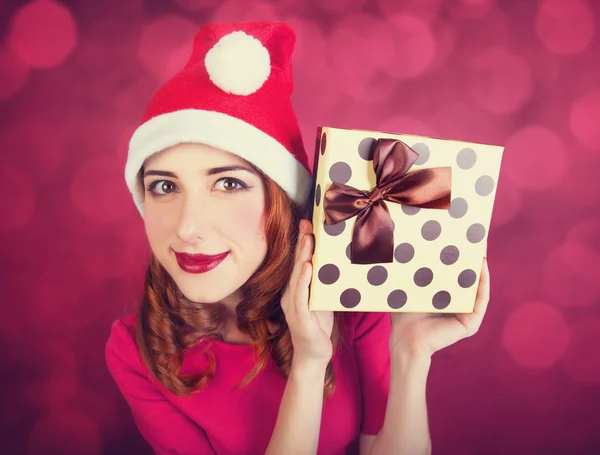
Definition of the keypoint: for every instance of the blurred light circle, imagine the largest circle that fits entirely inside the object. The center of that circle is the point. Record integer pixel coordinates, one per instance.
(584, 117)
(586, 231)
(581, 359)
(470, 9)
(195, 5)
(477, 37)
(406, 125)
(18, 205)
(508, 202)
(162, 37)
(65, 432)
(536, 335)
(14, 74)
(99, 192)
(570, 275)
(43, 33)
(244, 11)
(565, 27)
(360, 68)
(535, 157)
(500, 81)
(35, 146)
(427, 10)
(415, 47)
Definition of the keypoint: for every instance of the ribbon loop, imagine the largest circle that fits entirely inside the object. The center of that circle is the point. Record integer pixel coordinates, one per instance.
(373, 236)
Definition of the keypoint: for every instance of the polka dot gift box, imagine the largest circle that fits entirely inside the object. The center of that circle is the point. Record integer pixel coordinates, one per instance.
(401, 222)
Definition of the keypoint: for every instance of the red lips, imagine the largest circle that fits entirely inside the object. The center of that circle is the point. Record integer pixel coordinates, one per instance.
(199, 263)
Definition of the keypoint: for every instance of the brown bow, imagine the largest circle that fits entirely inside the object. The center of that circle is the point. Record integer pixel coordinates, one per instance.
(373, 236)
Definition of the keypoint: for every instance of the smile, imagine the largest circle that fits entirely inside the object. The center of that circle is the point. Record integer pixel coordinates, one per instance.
(199, 263)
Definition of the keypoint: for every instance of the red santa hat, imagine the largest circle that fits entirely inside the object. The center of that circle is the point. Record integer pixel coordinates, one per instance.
(233, 94)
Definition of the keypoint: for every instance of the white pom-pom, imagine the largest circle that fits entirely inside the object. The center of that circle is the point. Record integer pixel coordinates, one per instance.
(238, 63)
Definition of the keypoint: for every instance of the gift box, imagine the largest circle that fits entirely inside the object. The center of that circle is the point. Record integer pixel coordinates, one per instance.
(401, 222)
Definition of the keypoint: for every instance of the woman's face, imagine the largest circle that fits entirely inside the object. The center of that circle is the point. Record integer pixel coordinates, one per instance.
(204, 212)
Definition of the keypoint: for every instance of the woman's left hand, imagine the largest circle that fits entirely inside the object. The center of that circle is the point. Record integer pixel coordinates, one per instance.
(422, 334)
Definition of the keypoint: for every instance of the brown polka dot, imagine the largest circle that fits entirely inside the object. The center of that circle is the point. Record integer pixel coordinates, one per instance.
(366, 148)
(467, 278)
(350, 298)
(340, 172)
(410, 210)
(377, 275)
(323, 143)
(423, 151)
(404, 253)
(431, 230)
(334, 229)
(466, 158)
(441, 300)
(475, 233)
(458, 207)
(329, 274)
(449, 255)
(484, 185)
(318, 195)
(349, 251)
(423, 277)
(397, 299)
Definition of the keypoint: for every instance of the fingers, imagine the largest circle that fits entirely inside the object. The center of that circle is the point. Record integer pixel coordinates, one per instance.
(301, 294)
(483, 290)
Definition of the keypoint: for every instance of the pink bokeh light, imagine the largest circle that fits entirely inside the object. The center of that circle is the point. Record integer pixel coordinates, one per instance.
(18, 206)
(538, 345)
(570, 275)
(499, 80)
(43, 33)
(97, 188)
(526, 149)
(469, 9)
(565, 27)
(415, 47)
(161, 43)
(244, 11)
(65, 431)
(584, 116)
(581, 359)
(359, 66)
(14, 74)
(427, 10)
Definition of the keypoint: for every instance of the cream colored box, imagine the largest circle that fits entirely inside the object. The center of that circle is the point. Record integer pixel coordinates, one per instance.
(437, 253)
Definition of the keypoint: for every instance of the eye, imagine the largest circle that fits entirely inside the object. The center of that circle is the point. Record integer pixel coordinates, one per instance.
(230, 184)
(162, 187)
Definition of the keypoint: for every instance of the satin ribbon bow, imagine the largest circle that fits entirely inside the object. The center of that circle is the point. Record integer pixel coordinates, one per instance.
(373, 236)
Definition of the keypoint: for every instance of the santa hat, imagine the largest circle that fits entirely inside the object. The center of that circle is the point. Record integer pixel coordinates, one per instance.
(234, 95)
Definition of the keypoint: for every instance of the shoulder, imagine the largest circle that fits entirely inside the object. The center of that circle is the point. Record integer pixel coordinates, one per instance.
(121, 348)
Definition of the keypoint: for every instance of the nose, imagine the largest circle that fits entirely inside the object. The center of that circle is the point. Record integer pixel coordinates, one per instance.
(193, 223)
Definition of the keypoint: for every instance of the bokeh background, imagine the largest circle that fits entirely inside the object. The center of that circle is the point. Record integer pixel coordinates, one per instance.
(74, 79)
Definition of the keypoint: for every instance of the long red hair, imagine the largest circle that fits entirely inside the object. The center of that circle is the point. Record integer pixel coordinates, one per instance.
(167, 323)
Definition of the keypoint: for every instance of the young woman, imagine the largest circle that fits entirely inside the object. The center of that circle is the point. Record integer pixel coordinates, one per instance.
(223, 356)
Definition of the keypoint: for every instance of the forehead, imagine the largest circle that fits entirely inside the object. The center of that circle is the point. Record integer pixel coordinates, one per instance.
(189, 155)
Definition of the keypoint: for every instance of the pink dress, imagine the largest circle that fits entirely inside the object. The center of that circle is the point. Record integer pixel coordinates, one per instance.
(225, 420)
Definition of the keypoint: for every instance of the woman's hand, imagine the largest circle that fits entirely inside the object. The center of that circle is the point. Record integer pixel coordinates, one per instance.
(422, 334)
(310, 331)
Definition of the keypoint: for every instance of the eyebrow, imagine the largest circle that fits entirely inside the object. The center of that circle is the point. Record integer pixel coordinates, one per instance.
(212, 171)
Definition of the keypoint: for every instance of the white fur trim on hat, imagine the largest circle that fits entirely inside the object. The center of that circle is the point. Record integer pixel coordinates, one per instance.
(238, 63)
(221, 131)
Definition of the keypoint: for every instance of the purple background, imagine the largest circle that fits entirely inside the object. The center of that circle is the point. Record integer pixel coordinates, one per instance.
(74, 80)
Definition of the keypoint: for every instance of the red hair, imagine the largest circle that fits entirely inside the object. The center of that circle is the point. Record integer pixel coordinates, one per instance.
(167, 323)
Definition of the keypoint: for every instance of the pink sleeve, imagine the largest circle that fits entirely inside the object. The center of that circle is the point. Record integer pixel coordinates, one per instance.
(163, 426)
(371, 348)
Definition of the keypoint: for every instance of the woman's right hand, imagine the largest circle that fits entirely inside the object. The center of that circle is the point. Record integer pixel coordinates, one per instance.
(310, 331)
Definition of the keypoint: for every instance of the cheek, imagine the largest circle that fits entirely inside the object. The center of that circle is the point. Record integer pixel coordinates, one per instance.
(246, 225)
(157, 225)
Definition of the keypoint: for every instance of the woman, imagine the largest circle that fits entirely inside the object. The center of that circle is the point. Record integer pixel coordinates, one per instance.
(223, 356)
